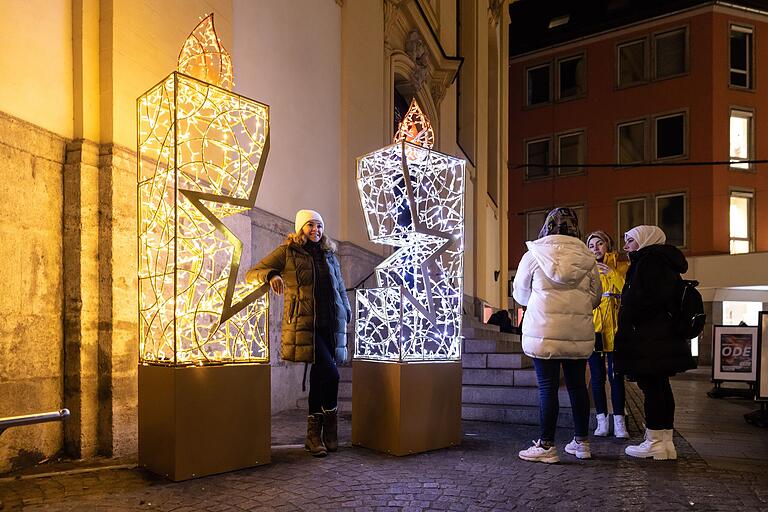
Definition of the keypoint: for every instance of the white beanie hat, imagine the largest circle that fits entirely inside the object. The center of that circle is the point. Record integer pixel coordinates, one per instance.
(304, 216)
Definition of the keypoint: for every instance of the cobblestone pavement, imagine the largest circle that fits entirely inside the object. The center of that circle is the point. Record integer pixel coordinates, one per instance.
(484, 473)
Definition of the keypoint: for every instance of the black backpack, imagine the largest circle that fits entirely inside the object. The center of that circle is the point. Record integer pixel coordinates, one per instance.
(688, 314)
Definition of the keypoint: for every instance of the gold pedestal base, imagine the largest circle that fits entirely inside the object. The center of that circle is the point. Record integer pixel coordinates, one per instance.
(197, 421)
(404, 408)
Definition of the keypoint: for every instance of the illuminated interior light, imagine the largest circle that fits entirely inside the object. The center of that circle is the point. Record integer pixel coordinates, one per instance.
(413, 199)
(202, 151)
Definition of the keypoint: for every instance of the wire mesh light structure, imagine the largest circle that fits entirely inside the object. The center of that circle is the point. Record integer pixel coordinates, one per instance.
(202, 151)
(413, 199)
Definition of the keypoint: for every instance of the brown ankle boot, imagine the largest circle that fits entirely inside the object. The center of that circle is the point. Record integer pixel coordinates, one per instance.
(330, 430)
(314, 443)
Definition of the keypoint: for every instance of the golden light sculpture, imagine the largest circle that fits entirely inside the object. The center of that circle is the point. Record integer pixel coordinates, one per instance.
(204, 373)
(406, 375)
(202, 151)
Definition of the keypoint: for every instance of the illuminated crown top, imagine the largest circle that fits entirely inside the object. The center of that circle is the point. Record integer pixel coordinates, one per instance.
(415, 128)
(204, 58)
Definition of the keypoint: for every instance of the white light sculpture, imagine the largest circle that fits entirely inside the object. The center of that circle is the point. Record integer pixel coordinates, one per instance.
(202, 151)
(413, 199)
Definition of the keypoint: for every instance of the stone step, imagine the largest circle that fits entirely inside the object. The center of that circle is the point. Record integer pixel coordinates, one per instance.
(504, 395)
(345, 389)
(491, 346)
(493, 360)
(470, 321)
(345, 373)
(517, 414)
(498, 377)
(483, 333)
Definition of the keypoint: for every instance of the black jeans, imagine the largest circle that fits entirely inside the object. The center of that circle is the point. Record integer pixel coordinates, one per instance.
(659, 402)
(324, 376)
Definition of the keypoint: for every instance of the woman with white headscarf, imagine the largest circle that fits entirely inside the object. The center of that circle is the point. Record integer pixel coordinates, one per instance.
(647, 349)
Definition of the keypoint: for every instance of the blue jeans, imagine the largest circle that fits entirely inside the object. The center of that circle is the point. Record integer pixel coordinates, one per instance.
(597, 381)
(548, 378)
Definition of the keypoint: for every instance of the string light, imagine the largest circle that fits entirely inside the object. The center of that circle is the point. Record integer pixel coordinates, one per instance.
(413, 199)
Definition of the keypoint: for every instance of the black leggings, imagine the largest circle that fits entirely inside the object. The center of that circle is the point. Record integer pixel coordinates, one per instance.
(659, 402)
(324, 376)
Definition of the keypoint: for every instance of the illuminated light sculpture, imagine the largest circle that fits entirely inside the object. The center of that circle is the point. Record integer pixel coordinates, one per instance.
(202, 151)
(406, 376)
(413, 199)
(204, 377)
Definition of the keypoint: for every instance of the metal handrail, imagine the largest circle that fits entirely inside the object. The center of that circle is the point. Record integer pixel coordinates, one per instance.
(358, 285)
(31, 419)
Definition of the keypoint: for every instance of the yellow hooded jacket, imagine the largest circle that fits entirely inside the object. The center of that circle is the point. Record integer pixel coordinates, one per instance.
(606, 315)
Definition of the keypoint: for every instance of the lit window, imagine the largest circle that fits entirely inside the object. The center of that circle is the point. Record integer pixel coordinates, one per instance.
(737, 311)
(538, 85)
(631, 142)
(570, 150)
(537, 159)
(571, 81)
(533, 223)
(740, 219)
(631, 214)
(670, 53)
(631, 63)
(740, 138)
(670, 217)
(741, 57)
(670, 136)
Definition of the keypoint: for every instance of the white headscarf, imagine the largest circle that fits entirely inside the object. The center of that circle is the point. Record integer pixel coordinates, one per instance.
(646, 235)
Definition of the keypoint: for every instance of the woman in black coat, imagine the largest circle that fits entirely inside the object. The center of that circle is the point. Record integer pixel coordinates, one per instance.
(647, 348)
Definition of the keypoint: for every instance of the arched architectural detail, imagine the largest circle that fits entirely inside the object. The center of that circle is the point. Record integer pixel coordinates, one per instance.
(405, 76)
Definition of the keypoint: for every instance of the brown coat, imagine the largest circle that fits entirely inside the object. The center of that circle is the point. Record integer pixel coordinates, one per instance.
(294, 265)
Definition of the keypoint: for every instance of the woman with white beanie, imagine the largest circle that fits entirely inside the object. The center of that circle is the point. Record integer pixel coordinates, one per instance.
(647, 348)
(315, 314)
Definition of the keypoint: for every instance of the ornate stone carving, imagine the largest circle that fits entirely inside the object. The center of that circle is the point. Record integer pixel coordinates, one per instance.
(494, 11)
(418, 52)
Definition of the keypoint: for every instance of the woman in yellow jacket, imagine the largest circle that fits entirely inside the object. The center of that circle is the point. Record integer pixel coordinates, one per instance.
(612, 275)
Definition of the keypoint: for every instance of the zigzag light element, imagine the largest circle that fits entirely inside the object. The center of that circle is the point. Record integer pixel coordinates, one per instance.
(413, 199)
(202, 151)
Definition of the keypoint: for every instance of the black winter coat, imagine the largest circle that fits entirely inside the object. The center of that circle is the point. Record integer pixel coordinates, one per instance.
(645, 341)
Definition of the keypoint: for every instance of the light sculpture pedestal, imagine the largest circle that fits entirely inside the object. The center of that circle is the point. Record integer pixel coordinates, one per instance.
(204, 374)
(406, 378)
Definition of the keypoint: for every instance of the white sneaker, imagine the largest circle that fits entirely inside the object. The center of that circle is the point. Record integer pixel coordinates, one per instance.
(579, 448)
(619, 427)
(602, 425)
(653, 446)
(670, 444)
(538, 453)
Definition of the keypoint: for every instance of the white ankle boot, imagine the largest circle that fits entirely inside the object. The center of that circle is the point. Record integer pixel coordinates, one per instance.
(670, 444)
(654, 446)
(602, 425)
(619, 427)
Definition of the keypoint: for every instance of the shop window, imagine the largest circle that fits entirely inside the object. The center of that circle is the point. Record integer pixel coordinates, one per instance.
(631, 63)
(670, 217)
(631, 213)
(631, 142)
(670, 136)
(740, 138)
(670, 53)
(537, 159)
(533, 223)
(571, 77)
(741, 57)
(539, 85)
(737, 311)
(570, 150)
(740, 222)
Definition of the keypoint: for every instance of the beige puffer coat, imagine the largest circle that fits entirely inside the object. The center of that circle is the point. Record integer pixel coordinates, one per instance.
(294, 264)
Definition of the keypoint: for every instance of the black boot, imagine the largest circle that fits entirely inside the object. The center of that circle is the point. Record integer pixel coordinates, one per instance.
(330, 431)
(314, 443)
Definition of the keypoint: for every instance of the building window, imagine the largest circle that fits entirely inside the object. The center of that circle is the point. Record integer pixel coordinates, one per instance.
(631, 63)
(631, 214)
(740, 139)
(538, 85)
(571, 77)
(741, 57)
(670, 217)
(670, 136)
(740, 222)
(670, 53)
(570, 150)
(537, 159)
(580, 217)
(631, 142)
(533, 223)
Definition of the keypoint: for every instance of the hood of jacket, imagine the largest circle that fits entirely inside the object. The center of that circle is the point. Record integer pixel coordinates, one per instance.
(669, 253)
(563, 259)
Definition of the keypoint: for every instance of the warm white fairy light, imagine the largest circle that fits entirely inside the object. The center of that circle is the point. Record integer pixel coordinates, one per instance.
(202, 151)
(413, 199)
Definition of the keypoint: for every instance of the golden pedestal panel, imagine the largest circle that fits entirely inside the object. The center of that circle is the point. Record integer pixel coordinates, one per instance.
(201, 420)
(405, 408)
